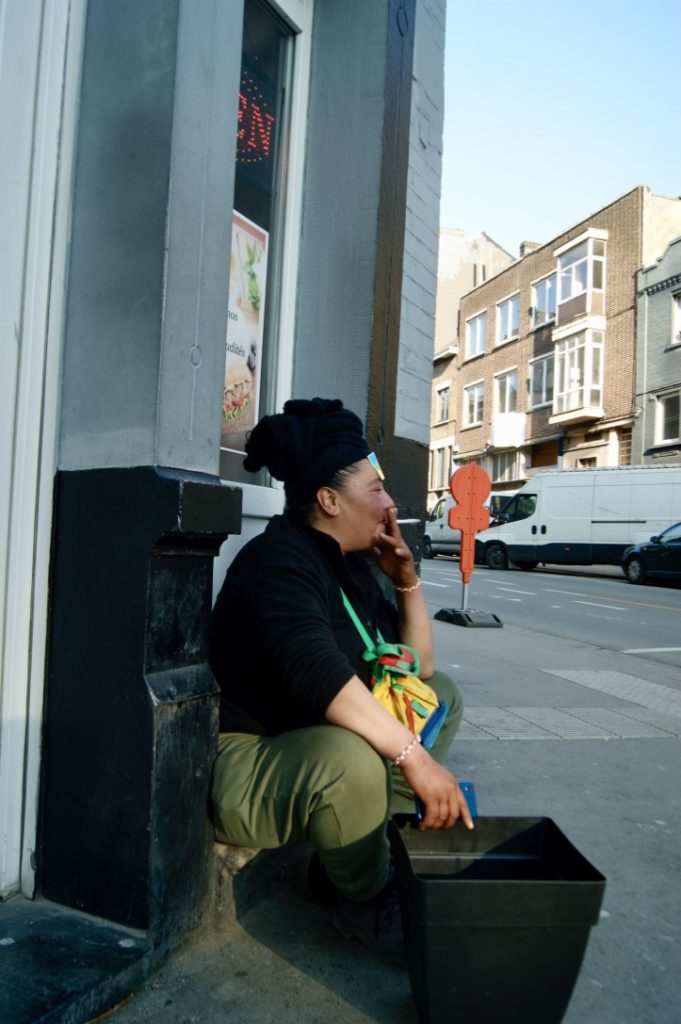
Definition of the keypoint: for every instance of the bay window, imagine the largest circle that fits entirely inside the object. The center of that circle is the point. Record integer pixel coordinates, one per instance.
(581, 268)
(578, 372)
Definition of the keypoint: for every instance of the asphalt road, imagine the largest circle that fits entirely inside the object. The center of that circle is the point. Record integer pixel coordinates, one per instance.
(596, 606)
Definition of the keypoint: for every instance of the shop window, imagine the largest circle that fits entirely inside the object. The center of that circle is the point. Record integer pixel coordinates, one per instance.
(257, 234)
(476, 335)
(508, 320)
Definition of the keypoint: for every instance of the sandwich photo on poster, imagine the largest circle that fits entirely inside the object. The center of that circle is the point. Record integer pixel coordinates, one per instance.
(245, 318)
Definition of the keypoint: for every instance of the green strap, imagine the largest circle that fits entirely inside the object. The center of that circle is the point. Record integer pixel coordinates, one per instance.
(368, 642)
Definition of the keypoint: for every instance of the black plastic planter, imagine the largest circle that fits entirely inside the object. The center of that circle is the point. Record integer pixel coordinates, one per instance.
(496, 920)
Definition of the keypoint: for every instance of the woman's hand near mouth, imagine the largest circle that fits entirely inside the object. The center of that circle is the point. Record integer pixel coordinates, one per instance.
(393, 556)
(395, 559)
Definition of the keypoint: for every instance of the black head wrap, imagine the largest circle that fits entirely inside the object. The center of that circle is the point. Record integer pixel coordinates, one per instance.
(306, 444)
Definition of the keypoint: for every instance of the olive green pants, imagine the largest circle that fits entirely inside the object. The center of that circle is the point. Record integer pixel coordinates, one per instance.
(324, 784)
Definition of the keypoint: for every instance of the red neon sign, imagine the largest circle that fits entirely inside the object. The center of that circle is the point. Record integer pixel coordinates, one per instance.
(255, 124)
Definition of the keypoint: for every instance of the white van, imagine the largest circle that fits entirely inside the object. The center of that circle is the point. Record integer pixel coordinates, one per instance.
(582, 516)
(439, 537)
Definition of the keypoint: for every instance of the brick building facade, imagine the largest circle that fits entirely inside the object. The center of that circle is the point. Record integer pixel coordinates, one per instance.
(464, 261)
(657, 430)
(545, 373)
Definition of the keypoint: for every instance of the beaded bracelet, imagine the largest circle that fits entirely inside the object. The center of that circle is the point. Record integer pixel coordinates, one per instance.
(406, 752)
(407, 590)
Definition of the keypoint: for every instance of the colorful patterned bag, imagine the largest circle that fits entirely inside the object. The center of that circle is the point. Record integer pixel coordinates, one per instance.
(396, 686)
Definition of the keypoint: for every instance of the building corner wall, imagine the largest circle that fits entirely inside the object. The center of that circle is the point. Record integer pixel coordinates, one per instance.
(419, 280)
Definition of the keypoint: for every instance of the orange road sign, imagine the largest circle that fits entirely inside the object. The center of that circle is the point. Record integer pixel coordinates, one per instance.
(470, 487)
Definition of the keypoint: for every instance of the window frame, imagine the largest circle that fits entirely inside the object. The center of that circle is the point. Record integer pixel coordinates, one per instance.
(545, 361)
(551, 317)
(590, 240)
(476, 384)
(592, 343)
(676, 318)
(510, 472)
(498, 377)
(509, 302)
(444, 386)
(480, 351)
(660, 399)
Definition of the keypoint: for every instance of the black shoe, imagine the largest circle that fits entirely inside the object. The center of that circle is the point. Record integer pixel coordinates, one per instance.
(377, 923)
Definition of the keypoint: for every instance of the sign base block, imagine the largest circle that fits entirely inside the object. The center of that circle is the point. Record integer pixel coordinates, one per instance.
(469, 617)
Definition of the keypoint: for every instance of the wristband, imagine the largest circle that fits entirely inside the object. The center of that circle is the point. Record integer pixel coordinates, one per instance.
(407, 590)
(406, 752)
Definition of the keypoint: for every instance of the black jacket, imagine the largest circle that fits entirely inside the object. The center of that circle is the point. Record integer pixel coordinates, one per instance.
(282, 644)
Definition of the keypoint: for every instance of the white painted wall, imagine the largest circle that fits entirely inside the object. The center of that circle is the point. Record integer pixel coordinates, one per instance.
(37, 119)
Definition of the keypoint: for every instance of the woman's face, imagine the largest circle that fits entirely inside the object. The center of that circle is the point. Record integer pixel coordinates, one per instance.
(363, 504)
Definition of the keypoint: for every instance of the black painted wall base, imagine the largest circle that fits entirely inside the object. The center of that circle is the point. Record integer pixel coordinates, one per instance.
(131, 704)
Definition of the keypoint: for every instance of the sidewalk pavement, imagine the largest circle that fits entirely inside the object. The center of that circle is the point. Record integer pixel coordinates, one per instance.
(553, 727)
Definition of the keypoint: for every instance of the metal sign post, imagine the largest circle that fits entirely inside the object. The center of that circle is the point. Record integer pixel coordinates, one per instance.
(470, 487)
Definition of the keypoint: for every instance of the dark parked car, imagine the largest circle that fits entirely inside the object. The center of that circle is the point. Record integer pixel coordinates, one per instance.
(658, 558)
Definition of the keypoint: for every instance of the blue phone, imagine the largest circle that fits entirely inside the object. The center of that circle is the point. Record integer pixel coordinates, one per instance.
(468, 790)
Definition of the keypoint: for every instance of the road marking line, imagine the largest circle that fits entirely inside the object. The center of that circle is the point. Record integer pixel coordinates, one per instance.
(430, 583)
(572, 593)
(649, 650)
(530, 593)
(635, 604)
(596, 604)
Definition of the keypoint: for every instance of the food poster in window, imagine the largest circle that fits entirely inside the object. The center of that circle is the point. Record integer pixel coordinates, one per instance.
(245, 319)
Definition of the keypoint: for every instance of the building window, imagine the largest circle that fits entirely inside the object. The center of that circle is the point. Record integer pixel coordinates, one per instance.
(476, 335)
(442, 404)
(544, 301)
(257, 255)
(676, 319)
(579, 372)
(473, 402)
(504, 467)
(506, 391)
(508, 320)
(541, 382)
(625, 447)
(581, 269)
(667, 427)
(439, 468)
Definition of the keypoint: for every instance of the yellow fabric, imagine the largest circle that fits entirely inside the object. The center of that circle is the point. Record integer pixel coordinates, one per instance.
(407, 698)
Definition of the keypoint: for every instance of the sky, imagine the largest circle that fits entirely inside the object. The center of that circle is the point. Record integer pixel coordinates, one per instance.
(553, 110)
